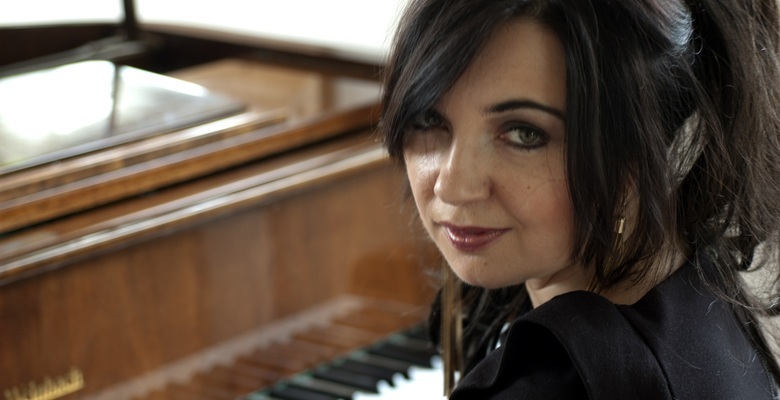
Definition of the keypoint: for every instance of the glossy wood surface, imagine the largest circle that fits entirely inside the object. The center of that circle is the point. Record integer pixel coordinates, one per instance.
(315, 106)
(261, 358)
(94, 105)
(156, 265)
(174, 290)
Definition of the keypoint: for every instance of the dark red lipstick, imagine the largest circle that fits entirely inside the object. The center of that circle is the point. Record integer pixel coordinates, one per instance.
(471, 238)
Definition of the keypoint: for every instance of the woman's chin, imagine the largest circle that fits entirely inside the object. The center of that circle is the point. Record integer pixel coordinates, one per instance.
(474, 278)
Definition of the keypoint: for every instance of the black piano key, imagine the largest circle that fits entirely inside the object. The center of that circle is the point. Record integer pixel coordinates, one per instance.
(413, 343)
(394, 351)
(381, 373)
(296, 393)
(399, 366)
(338, 390)
(362, 382)
(359, 371)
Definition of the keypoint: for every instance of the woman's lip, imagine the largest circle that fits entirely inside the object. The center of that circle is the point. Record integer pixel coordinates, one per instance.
(471, 238)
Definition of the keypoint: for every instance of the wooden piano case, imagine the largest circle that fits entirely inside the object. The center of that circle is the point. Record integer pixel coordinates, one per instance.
(140, 265)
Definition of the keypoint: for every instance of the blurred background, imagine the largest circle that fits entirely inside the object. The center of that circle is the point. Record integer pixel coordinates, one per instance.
(355, 28)
(194, 204)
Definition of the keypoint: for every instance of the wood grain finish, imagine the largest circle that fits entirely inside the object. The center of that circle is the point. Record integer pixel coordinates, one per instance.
(184, 288)
(145, 265)
(36, 194)
(47, 247)
(261, 358)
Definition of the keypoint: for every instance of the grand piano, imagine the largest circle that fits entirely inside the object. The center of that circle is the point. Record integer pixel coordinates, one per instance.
(189, 214)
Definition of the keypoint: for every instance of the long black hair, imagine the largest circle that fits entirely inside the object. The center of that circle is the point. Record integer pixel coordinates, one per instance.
(674, 99)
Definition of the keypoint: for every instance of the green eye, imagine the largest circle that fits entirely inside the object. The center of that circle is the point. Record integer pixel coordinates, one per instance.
(524, 136)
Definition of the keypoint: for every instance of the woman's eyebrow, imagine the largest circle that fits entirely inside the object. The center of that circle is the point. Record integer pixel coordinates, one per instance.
(515, 104)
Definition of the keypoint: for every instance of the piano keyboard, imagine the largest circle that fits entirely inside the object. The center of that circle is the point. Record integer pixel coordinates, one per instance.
(350, 357)
(402, 366)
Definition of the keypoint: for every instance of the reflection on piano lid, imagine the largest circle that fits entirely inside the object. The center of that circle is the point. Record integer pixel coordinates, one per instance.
(77, 108)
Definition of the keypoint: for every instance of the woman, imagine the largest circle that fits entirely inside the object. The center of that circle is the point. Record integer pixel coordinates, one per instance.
(600, 174)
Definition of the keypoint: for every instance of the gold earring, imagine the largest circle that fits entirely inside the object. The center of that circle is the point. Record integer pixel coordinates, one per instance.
(620, 227)
(451, 328)
(617, 245)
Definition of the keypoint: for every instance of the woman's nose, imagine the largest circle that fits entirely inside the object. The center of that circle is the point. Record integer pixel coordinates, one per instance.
(463, 175)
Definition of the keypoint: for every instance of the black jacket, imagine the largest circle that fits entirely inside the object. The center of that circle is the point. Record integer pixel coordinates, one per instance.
(678, 342)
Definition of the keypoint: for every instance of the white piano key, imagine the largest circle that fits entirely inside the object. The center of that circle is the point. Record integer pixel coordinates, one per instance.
(423, 383)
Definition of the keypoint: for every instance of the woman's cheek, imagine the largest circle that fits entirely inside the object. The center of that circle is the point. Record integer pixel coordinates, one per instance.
(421, 170)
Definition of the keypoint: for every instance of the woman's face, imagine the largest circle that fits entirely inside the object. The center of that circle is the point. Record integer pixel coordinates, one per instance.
(486, 165)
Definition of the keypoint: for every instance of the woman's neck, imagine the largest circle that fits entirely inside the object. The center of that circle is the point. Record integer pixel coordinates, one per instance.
(575, 278)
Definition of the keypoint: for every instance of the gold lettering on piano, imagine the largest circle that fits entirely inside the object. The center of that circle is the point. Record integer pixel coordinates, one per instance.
(48, 389)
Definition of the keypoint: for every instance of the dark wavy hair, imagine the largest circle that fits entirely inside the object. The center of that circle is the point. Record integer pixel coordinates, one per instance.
(676, 100)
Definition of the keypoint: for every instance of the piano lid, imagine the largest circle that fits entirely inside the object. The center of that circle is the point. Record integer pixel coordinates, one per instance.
(77, 108)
